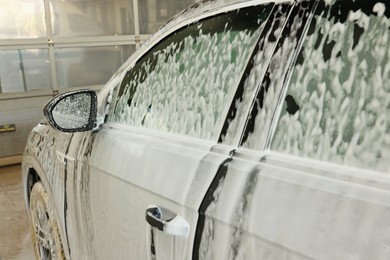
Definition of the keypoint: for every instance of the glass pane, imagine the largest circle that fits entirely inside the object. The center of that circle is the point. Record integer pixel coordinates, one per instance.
(22, 19)
(92, 18)
(154, 13)
(185, 84)
(22, 70)
(78, 67)
(338, 103)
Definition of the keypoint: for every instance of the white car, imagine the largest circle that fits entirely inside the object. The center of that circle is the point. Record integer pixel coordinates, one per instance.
(240, 130)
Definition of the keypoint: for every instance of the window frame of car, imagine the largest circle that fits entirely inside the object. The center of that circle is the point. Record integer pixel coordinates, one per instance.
(172, 27)
(268, 126)
(277, 22)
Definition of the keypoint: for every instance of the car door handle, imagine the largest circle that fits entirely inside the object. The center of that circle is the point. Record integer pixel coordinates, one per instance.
(166, 221)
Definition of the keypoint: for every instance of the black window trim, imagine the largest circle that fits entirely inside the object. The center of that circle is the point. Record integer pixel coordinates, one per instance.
(239, 90)
(288, 73)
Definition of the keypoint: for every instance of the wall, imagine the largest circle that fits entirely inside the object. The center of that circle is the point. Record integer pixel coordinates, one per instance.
(24, 113)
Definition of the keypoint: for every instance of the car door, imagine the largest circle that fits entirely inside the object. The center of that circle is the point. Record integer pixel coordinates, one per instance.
(158, 151)
(229, 221)
(315, 186)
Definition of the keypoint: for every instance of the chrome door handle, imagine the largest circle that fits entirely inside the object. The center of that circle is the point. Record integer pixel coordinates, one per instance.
(166, 221)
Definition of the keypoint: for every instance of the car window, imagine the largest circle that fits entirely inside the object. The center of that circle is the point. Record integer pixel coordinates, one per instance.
(185, 84)
(254, 73)
(337, 105)
(270, 85)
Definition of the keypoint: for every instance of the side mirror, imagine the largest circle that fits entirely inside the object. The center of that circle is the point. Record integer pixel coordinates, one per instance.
(73, 111)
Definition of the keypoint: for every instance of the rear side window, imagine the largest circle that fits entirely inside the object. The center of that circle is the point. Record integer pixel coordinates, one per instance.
(185, 84)
(337, 106)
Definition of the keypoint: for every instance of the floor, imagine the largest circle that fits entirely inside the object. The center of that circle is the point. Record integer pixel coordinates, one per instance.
(15, 240)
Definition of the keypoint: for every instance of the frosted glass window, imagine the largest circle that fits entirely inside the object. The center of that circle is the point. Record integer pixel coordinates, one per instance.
(338, 103)
(22, 19)
(22, 70)
(92, 18)
(77, 67)
(185, 84)
(154, 13)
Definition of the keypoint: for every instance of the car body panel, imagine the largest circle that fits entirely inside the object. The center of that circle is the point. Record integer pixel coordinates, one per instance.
(41, 155)
(267, 207)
